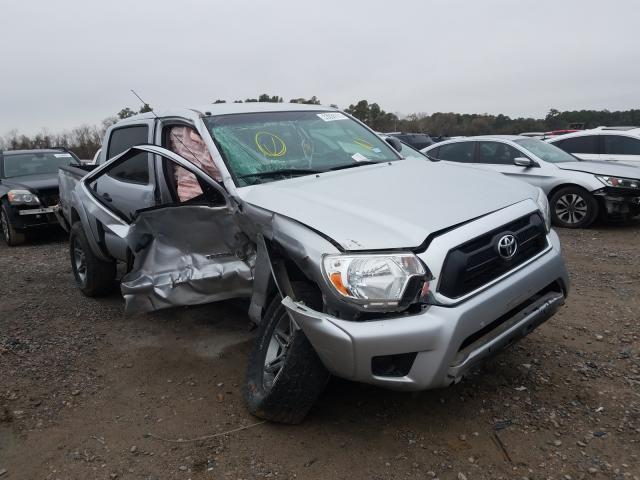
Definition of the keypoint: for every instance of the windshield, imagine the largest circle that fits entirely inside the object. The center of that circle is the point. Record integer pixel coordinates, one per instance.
(409, 152)
(22, 164)
(545, 151)
(270, 146)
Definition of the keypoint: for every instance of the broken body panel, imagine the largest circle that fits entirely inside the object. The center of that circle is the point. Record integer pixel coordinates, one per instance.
(170, 267)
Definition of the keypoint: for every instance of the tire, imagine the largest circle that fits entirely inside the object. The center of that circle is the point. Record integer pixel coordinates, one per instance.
(287, 395)
(573, 207)
(11, 236)
(94, 276)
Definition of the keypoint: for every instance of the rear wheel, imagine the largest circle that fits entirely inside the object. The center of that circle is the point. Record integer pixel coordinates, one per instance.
(285, 376)
(94, 276)
(573, 207)
(11, 236)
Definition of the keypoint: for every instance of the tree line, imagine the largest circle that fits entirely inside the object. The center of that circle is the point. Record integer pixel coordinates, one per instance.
(85, 140)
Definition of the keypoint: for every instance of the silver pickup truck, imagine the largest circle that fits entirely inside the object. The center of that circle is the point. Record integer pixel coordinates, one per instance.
(358, 261)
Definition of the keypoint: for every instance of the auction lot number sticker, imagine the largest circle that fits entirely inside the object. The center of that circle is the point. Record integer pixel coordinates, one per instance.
(331, 116)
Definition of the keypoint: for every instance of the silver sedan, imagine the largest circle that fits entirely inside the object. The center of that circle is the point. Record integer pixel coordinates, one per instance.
(578, 191)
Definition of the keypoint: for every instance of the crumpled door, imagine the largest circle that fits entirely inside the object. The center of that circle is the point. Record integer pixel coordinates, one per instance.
(183, 253)
(186, 255)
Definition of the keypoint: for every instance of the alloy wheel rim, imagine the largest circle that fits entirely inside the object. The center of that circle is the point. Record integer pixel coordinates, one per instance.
(277, 350)
(571, 208)
(80, 262)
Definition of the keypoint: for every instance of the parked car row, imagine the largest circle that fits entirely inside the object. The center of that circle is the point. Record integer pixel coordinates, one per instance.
(579, 191)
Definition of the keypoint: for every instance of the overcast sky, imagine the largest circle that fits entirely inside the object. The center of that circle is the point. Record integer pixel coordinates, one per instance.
(70, 62)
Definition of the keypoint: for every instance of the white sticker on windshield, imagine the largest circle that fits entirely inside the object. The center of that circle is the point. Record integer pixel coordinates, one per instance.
(358, 157)
(62, 155)
(331, 116)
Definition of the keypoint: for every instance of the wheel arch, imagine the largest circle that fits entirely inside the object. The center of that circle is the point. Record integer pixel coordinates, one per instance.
(555, 189)
(275, 273)
(75, 216)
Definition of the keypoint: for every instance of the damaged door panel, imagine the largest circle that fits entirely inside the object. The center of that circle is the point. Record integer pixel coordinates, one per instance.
(184, 253)
(209, 262)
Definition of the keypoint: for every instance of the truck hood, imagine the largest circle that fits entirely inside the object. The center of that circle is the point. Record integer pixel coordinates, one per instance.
(34, 183)
(613, 169)
(389, 205)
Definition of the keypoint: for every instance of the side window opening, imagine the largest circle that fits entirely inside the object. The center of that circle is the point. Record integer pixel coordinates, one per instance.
(621, 145)
(136, 170)
(187, 142)
(127, 202)
(457, 152)
(587, 144)
(198, 192)
(497, 153)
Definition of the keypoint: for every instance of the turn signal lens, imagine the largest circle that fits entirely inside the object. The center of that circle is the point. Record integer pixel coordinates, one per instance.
(336, 280)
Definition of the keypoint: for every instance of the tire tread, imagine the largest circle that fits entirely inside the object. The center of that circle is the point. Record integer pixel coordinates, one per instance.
(100, 274)
(302, 379)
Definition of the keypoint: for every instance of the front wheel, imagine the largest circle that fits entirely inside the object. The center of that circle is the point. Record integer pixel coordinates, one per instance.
(573, 207)
(285, 376)
(11, 236)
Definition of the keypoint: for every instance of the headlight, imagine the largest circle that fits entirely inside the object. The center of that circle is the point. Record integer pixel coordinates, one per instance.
(22, 197)
(543, 204)
(619, 182)
(375, 281)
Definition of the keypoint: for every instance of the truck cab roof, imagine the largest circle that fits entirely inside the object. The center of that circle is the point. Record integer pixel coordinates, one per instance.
(34, 150)
(227, 109)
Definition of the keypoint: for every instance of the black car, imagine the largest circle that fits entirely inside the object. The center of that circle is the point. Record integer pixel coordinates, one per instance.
(29, 190)
(416, 140)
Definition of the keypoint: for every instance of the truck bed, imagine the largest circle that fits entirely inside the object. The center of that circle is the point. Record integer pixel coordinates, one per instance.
(68, 178)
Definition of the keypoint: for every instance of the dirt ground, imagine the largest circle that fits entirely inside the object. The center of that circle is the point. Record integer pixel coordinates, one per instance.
(86, 393)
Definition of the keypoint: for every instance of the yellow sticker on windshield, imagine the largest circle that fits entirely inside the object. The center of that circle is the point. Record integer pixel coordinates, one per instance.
(363, 143)
(270, 145)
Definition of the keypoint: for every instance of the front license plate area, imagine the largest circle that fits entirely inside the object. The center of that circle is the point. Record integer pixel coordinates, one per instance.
(36, 211)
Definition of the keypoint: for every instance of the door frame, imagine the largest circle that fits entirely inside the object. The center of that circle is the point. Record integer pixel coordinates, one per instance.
(123, 223)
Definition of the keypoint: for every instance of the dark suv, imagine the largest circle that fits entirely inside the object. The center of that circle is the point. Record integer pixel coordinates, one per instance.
(29, 189)
(416, 140)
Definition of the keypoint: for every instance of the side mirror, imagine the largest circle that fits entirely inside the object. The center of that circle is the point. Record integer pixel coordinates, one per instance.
(395, 143)
(524, 162)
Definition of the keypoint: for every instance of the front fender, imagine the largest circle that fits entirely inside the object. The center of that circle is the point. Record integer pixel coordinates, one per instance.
(283, 244)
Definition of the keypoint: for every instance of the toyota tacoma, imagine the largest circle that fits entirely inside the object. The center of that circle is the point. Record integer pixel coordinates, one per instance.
(357, 261)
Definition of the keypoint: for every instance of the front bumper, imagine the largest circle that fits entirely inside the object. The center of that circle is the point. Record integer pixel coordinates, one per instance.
(619, 203)
(447, 341)
(23, 217)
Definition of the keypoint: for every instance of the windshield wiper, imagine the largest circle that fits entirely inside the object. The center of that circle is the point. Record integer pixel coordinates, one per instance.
(282, 171)
(355, 164)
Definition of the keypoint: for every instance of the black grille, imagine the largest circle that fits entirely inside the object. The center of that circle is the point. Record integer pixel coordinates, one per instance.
(49, 198)
(477, 262)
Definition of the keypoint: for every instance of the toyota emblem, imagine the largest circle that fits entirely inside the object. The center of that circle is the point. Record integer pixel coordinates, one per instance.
(507, 246)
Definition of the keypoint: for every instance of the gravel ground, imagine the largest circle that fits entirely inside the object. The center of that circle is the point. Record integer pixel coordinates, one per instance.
(87, 393)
